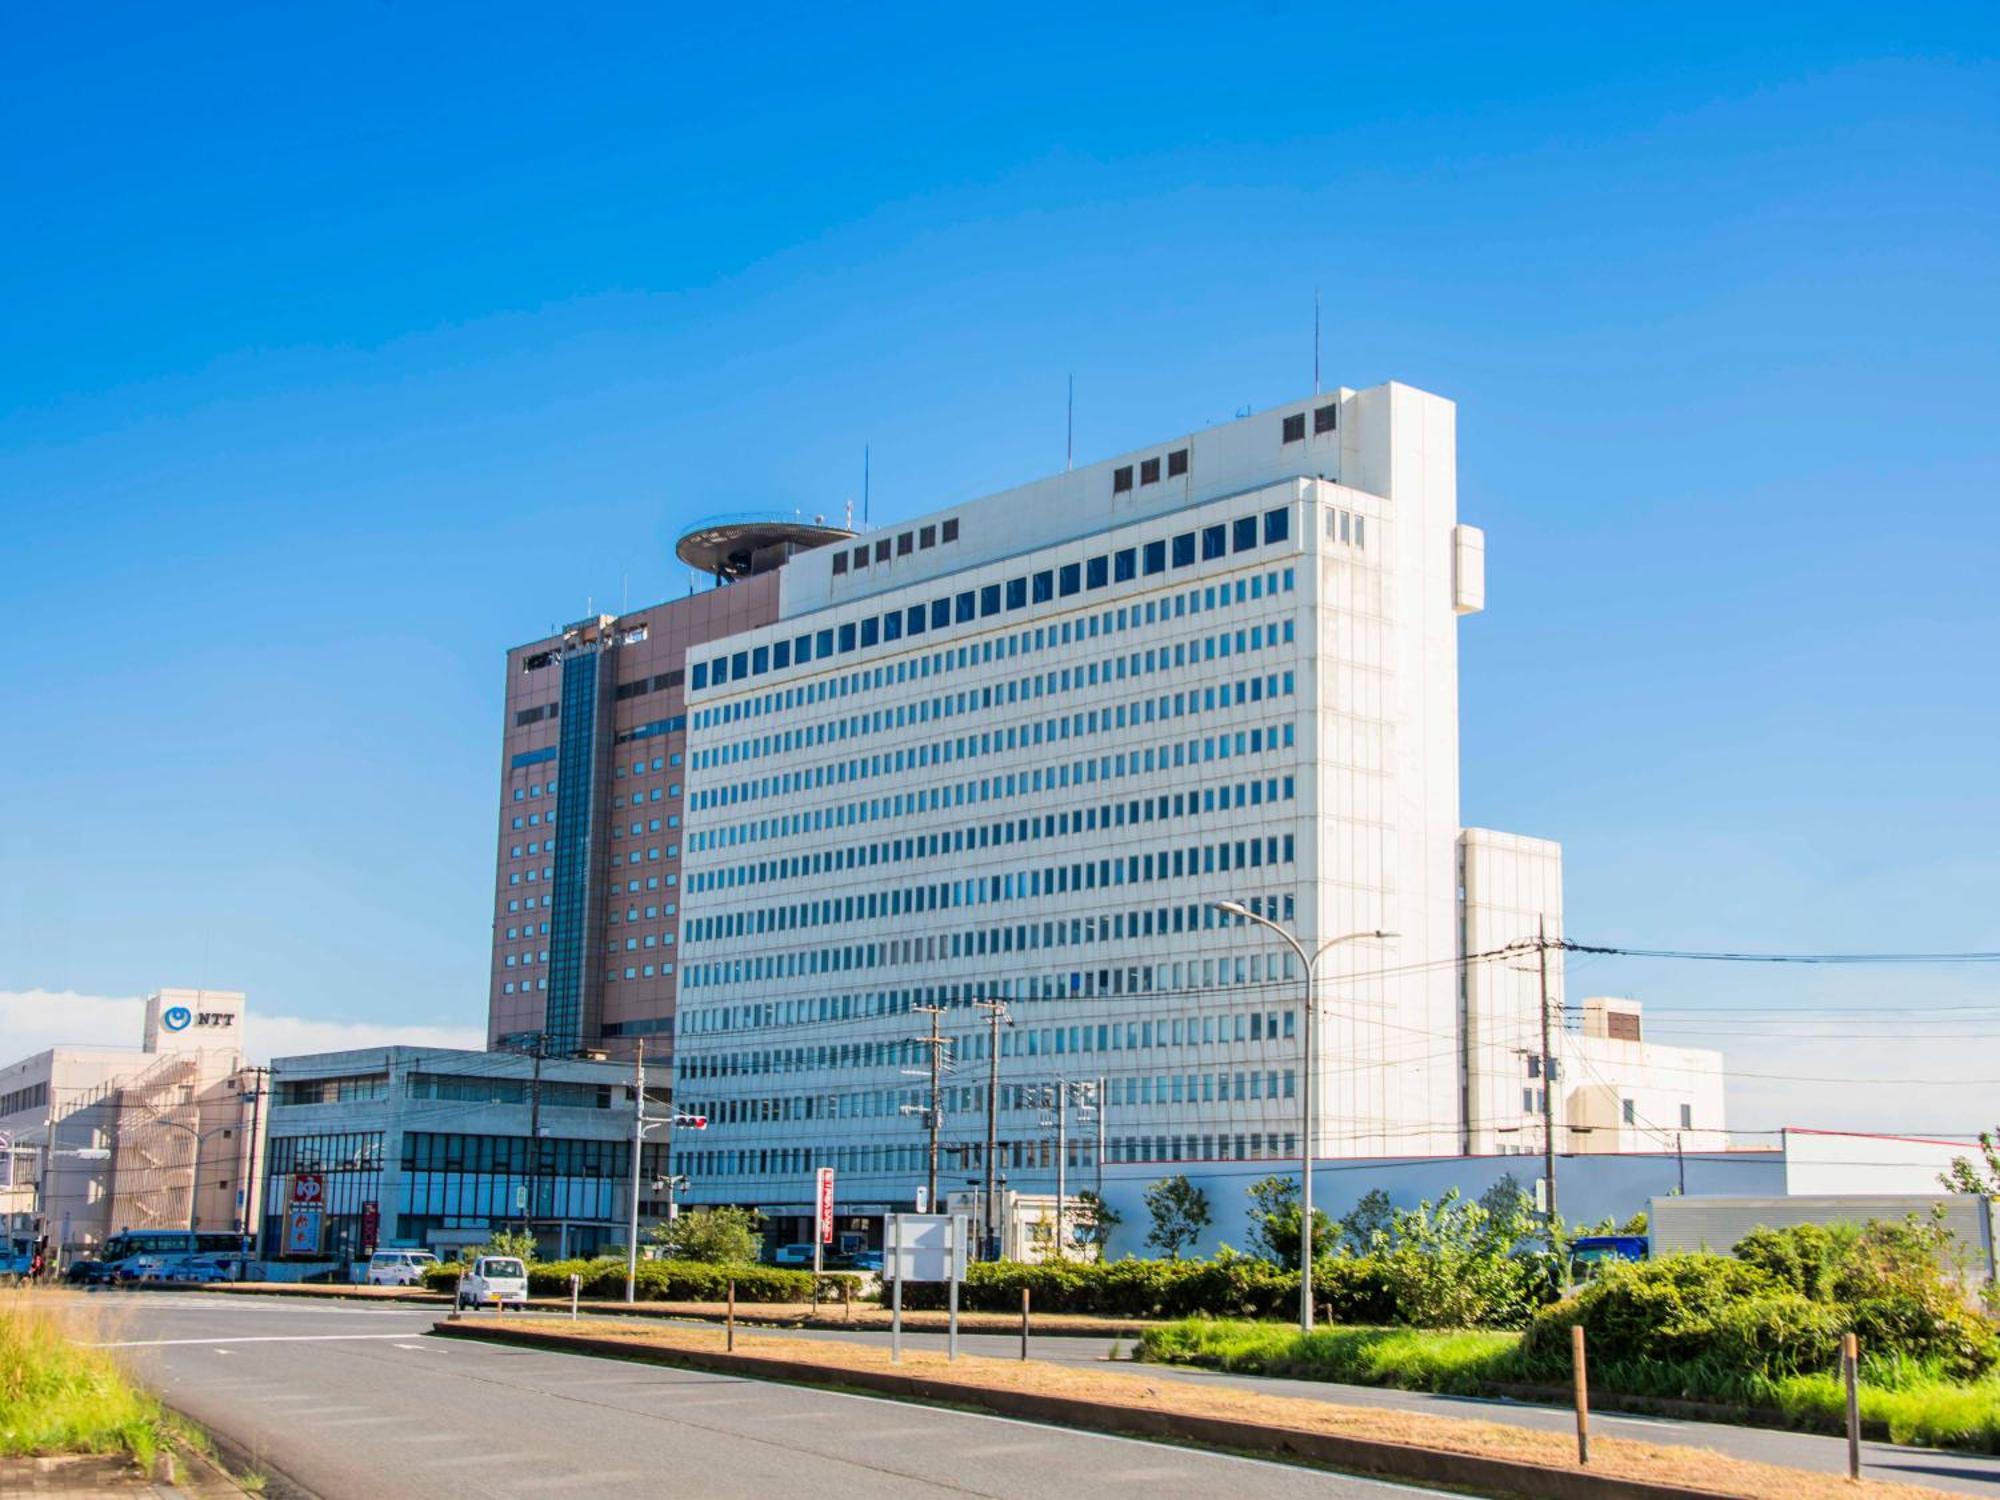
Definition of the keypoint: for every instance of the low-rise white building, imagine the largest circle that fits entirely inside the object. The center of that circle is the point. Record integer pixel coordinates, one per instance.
(157, 1137)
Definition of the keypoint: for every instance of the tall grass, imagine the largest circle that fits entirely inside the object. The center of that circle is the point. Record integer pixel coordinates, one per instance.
(60, 1397)
(1912, 1400)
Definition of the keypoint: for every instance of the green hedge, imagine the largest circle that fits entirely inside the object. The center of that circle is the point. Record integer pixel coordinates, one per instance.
(667, 1281)
(1229, 1286)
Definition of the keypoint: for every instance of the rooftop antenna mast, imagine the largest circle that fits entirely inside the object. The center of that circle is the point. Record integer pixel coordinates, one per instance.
(1069, 426)
(1315, 341)
(864, 486)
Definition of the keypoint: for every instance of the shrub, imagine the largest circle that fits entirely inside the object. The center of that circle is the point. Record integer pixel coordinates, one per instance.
(723, 1236)
(666, 1281)
(1179, 1211)
(1227, 1286)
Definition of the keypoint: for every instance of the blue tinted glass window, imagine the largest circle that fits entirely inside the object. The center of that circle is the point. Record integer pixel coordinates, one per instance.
(1017, 593)
(916, 619)
(760, 659)
(871, 631)
(940, 613)
(1124, 564)
(1214, 542)
(847, 636)
(963, 609)
(701, 678)
(892, 625)
(1072, 579)
(1156, 558)
(1246, 534)
(1045, 587)
(1277, 526)
(1097, 572)
(802, 648)
(823, 644)
(1184, 549)
(720, 670)
(739, 666)
(781, 655)
(989, 600)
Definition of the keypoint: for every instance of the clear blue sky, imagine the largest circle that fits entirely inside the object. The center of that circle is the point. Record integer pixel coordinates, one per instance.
(345, 348)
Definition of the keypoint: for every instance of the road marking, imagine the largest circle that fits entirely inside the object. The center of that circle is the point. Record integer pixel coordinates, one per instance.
(419, 1348)
(224, 1351)
(266, 1338)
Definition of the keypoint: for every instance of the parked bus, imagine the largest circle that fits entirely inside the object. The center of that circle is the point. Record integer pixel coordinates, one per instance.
(130, 1242)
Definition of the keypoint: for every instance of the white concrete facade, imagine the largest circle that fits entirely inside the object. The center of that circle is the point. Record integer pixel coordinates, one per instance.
(1018, 748)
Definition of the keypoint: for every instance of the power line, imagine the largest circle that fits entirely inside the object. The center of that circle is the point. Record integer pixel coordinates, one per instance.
(1701, 956)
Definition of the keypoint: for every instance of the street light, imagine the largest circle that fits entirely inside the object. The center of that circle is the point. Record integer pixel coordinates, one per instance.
(194, 1188)
(1310, 964)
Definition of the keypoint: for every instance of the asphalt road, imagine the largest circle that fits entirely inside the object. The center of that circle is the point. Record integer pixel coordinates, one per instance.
(1975, 1474)
(352, 1402)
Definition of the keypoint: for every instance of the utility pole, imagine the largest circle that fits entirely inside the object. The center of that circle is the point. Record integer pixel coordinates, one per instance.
(933, 1113)
(996, 1013)
(253, 1174)
(638, 1150)
(535, 1132)
(1102, 1090)
(1062, 1157)
(1548, 1093)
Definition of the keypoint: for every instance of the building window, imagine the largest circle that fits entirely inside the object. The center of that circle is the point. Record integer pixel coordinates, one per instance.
(1121, 479)
(905, 544)
(1246, 534)
(1295, 428)
(927, 536)
(1177, 463)
(1631, 1112)
(1277, 526)
(1687, 1116)
(950, 533)
(882, 550)
(1324, 418)
(860, 557)
(1149, 471)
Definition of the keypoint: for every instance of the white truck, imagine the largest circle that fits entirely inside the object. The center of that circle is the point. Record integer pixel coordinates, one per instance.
(494, 1280)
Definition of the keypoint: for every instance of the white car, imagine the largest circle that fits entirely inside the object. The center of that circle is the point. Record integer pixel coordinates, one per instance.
(399, 1267)
(496, 1280)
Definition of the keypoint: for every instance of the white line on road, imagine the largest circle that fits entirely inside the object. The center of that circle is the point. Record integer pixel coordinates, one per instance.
(267, 1338)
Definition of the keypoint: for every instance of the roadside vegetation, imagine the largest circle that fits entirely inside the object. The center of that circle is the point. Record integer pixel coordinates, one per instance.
(667, 1281)
(60, 1397)
(1761, 1330)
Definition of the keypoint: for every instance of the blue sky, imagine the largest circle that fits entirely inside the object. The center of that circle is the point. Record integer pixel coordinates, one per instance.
(347, 348)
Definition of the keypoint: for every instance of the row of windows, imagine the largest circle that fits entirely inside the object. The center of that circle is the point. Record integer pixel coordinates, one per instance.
(979, 890)
(918, 539)
(510, 1155)
(477, 1089)
(1325, 419)
(943, 843)
(640, 687)
(716, 1019)
(287, 1092)
(1047, 586)
(1231, 1086)
(333, 1151)
(1081, 725)
(33, 1096)
(1028, 688)
(535, 790)
(1194, 1030)
(1018, 1155)
(1149, 471)
(1078, 773)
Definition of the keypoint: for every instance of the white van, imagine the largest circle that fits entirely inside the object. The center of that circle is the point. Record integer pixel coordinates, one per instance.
(399, 1267)
(499, 1280)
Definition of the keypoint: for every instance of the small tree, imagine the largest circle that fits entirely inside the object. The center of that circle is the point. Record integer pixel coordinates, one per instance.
(1966, 1175)
(719, 1236)
(514, 1242)
(1180, 1214)
(1093, 1220)
(1274, 1222)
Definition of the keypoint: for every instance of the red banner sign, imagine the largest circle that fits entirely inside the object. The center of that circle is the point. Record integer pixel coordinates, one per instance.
(825, 1205)
(309, 1190)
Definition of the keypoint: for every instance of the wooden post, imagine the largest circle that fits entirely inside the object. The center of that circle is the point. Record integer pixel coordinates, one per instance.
(1024, 1322)
(1850, 1369)
(847, 1302)
(1582, 1394)
(575, 1290)
(729, 1341)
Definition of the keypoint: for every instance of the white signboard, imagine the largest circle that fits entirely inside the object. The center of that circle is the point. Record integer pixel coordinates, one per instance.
(926, 1247)
(303, 1230)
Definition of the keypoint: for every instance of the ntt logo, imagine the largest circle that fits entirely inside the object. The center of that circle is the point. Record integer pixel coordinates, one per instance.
(177, 1018)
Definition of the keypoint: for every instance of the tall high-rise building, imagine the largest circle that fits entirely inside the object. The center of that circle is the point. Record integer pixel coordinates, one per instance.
(587, 898)
(1021, 748)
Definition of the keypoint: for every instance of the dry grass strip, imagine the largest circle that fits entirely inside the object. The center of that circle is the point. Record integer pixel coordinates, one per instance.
(1687, 1467)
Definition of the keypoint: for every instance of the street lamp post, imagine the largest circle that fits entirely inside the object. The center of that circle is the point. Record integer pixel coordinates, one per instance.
(1310, 962)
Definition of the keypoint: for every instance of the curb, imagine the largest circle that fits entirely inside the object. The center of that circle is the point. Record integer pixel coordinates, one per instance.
(1349, 1454)
(235, 1459)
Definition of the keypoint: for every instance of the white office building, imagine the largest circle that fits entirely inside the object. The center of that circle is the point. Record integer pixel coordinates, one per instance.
(1016, 750)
